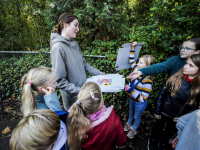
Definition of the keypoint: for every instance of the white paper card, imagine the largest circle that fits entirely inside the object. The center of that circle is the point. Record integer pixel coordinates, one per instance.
(109, 82)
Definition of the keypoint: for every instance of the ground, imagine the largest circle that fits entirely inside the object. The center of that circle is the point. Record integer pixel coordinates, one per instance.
(10, 115)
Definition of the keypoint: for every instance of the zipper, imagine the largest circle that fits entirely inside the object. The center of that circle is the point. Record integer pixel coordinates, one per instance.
(182, 108)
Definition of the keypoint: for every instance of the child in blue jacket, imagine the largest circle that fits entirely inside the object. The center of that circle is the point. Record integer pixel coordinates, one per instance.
(38, 90)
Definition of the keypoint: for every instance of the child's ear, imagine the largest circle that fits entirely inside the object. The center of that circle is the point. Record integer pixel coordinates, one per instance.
(40, 88)
(198, 52)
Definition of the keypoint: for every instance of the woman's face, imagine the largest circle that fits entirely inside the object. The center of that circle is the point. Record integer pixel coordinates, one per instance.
(186, 54)
(71, 29)
(190, 69)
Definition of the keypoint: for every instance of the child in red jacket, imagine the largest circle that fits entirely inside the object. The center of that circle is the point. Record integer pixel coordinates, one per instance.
(91, 125)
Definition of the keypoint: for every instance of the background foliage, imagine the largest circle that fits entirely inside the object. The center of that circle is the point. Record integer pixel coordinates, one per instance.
(104, 26)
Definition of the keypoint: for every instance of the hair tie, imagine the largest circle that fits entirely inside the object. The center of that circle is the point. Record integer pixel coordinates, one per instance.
(78, 102)
(30, 83)
(92, 95)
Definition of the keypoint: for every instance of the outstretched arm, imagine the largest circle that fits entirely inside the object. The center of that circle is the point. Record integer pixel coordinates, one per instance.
(155, 69)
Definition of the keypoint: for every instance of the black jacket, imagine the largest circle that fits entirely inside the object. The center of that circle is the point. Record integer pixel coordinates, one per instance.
(178, 105)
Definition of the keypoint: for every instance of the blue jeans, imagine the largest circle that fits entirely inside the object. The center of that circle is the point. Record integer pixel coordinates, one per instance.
(136, 110)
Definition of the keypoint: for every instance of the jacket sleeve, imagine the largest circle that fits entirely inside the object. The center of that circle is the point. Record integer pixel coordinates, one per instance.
(58, 61)
(158, 68)
(146, 90)
(132, 60)
(52, 102)
(121, 136)
(182, 121)
(161, 100)
(142, 94)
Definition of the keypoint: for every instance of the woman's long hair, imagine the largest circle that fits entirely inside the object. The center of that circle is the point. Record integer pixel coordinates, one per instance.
(175, 81)
(37, 131)
(64, 18)
(30, 82)
(90, 98)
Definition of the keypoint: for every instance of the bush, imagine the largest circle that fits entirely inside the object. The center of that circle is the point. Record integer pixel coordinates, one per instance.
(15, 67)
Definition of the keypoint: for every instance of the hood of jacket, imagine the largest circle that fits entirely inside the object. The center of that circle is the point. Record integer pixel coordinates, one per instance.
(55, 37)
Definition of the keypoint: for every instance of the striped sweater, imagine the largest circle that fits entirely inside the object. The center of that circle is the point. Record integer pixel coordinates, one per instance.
(143, 88)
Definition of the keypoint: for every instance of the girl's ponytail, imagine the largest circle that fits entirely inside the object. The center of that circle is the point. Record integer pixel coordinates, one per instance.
(64, 18)
(79, 124)
(28, 99)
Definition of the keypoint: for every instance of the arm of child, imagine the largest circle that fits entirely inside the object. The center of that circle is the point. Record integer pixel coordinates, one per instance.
(141, 94)
(160, 100)
(158, 68)
(163, 67)
(147, 87)
(182, 121)
(132, 56)
(51, 99)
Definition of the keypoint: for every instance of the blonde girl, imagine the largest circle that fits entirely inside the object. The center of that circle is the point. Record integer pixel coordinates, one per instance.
(90, 124)
(40, 130)
(138, 91)
(38, 90)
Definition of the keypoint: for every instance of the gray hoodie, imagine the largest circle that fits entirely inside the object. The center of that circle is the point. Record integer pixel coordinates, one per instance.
(69, 64)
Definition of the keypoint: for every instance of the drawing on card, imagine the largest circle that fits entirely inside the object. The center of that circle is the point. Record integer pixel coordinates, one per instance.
(104, 82)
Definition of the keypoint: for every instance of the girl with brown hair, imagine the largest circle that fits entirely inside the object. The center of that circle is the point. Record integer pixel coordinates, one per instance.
(179, 96)
(91, 125)
(67, 59)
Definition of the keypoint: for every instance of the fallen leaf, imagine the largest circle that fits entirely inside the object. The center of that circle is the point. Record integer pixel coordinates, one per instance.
(13, 97)
(6, 130)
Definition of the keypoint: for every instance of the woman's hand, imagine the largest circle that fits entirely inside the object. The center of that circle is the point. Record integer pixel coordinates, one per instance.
(102, 73)
(135, 74)
(48, 90)
(157, 116)
(174, 142)
(133, 45)
(175, 119)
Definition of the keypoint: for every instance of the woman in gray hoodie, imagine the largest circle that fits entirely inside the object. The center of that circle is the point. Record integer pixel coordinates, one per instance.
(67, 59)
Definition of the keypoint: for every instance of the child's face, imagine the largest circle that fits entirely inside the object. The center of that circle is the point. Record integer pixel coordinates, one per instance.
(52, 83)
(190, 68)
(186, 54)
(141, 64)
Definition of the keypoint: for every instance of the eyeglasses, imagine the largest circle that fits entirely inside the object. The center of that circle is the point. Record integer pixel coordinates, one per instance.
(185, 49)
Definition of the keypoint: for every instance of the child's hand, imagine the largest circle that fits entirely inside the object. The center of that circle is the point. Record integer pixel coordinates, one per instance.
(134, 44)
(135, 74)
(175, 119)
(174, 142)
(48, 90)
(158, 116)
(127, 88)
